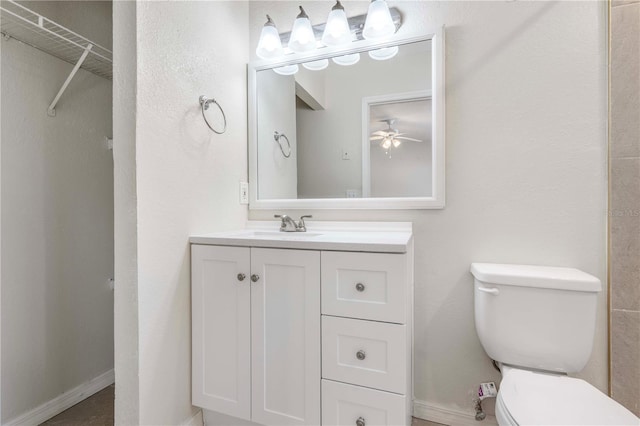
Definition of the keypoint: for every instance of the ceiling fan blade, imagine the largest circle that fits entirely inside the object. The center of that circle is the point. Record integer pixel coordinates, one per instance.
(376, 138)
(379, 133)
(408, 139)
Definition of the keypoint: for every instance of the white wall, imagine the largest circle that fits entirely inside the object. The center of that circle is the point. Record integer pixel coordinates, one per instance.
(526, 168)
(126, 328)
(186, 181)
(276, 102)
(57, 225)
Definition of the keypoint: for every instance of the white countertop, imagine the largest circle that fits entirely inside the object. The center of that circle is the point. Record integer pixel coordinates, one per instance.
(381, 237)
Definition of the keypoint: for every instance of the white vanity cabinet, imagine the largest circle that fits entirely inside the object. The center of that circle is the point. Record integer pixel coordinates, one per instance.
(256, 333)
(303, 329)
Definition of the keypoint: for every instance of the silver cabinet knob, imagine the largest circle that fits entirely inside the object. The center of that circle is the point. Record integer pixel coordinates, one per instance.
(255, 278)
(361, 355)
(241, 277)
(360, 287)
(360, 422)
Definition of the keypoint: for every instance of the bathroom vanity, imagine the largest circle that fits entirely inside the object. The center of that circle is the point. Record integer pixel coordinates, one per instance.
(304, 328)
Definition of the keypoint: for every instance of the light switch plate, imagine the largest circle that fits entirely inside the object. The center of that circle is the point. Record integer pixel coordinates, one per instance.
(244, 193)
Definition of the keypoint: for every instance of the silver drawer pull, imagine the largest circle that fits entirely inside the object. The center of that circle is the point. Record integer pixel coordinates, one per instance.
(255, 278)
(360, 287)
(241, 277)
(360, 422)
(361, 355)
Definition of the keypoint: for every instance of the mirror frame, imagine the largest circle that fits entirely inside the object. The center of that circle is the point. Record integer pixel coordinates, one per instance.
(435, 201)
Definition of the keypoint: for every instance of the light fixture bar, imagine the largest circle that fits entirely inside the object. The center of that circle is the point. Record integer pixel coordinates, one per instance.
(356, 25)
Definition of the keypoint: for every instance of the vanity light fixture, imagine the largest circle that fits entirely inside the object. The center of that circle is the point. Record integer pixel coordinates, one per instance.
(286, 70)
(302, 37)
(347, 60)
(336, 30)
(379, 23)
(269, 45)
(316, 65)
(384, 53)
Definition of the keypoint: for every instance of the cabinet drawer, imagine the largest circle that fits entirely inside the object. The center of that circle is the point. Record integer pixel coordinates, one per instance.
(364, 285)
(344, 404)
(365, 353)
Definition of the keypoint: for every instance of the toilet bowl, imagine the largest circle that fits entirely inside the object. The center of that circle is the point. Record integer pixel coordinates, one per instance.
(538, 323)
(538, 398)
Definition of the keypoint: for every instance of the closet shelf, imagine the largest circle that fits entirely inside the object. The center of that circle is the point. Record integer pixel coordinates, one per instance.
(37, 31)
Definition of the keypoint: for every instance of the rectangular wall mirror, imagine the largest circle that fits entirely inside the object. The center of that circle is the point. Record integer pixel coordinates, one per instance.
(368, 135)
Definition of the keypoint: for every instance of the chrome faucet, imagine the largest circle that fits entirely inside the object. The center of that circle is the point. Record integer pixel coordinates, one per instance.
(290, 225)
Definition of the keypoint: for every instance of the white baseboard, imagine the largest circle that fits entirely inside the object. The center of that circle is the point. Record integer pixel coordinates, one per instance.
(66, 400)
(195, 420)
(447, 416)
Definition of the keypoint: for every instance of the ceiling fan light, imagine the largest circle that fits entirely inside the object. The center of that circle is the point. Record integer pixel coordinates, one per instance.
(384, 53)
(386, 143)
(336, 30)
(316, 65)
(347, 60)
(302, 37)
(286, 70)
(269, 45)
(379, 23)
(396, 143)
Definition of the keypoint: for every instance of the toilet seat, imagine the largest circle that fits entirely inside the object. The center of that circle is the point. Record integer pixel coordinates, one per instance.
(536, 398)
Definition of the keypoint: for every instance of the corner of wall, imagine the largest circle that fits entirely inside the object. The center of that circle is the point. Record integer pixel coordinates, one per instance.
(127, 409)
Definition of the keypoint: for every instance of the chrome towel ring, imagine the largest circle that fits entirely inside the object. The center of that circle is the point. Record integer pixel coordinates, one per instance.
(204, 105)
(277, 136)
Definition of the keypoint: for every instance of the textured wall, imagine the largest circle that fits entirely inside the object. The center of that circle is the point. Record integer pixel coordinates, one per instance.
(526, 168)
(187, 177)
(57, 225)
(624, 213)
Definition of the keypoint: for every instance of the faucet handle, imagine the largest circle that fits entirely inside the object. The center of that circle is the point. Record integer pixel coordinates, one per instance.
(301, 225)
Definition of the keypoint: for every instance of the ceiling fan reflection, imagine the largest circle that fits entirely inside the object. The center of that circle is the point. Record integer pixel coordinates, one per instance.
(390, 136)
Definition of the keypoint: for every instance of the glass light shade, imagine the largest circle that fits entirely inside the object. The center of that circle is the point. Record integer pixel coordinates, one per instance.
(286, 70)
(336, 30)
(302, 37)
(379, 23)
(396, 143)
(316, 65)
(384, 53)
(269, 45)
(386, 144)
(347, 59)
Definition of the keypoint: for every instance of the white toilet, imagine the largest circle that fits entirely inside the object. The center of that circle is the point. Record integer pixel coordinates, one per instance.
(538, 323)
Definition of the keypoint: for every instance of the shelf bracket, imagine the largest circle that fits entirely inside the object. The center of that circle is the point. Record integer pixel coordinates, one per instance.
(51, 111)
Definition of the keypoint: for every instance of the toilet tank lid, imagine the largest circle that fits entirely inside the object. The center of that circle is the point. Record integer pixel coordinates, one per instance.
(552, 277)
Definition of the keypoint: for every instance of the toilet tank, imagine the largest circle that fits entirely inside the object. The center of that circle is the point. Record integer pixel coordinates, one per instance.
(537, 317)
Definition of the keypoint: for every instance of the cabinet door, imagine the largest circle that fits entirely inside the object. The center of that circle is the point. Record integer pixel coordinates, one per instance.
(285, 320)
(221, 333)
